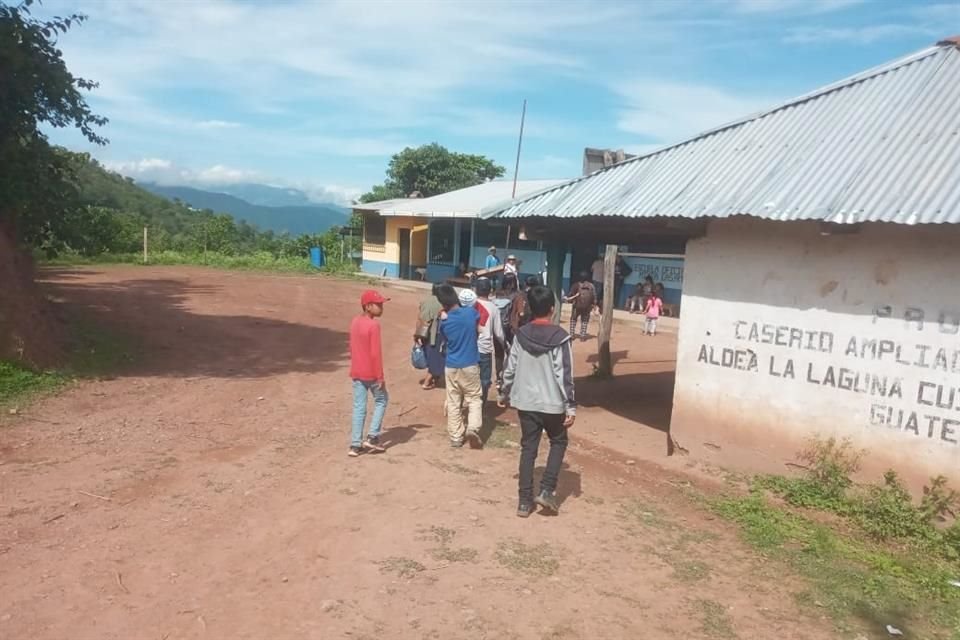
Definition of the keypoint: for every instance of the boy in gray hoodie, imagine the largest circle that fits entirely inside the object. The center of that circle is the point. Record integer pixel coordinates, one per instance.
(538, 382)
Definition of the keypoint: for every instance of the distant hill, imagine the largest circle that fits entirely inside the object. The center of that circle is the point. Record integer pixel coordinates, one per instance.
(267, 195)
(294, 219)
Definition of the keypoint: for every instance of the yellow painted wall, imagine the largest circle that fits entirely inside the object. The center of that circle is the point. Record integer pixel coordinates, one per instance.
(390, 251)
(418, 247)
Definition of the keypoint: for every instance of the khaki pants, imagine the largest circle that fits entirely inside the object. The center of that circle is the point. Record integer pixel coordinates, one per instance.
(463, 386)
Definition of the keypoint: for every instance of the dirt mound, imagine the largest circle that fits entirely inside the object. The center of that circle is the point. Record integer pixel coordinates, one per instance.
(29, 331)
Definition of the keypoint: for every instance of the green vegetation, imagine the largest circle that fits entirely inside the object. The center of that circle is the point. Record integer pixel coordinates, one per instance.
(93, 354)
(537, 560)
(17, 382)
(430, 170)
(883, 559)
(715, 622)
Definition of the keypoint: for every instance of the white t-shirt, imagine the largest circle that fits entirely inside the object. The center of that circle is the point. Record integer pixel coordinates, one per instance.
(598, 269)
(492, 330)
(509, 268)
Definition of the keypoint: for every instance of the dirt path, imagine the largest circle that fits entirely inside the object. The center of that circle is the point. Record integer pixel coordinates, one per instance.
(205, 492)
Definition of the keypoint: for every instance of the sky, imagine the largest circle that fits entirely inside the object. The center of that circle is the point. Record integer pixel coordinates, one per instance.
(318, 95)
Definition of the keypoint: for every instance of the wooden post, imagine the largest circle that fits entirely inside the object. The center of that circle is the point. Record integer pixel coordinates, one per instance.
(556, 256)
(145, 255)
(605, 366)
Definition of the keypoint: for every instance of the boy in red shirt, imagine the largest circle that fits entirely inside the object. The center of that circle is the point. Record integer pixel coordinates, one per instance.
(366, 370)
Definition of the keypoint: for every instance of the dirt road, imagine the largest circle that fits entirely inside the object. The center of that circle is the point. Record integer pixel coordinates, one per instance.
(205, 492)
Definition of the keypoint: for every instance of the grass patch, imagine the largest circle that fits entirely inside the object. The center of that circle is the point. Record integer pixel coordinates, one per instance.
(537, 560)
(256, 261)
(446, 554)
(441, 535)
(857, 580)
(715, 622)
(403, 567)
(20, 383)
(503, 436)
(636, 511)
(688, 570)
(93, 353)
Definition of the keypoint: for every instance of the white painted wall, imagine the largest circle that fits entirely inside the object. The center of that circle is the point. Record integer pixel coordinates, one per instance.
(758, 295)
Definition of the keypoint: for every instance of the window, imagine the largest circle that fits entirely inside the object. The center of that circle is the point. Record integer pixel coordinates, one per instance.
(442, 240)
(374, 229)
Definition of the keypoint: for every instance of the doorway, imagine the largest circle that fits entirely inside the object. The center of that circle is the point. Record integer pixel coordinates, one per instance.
(404, 240)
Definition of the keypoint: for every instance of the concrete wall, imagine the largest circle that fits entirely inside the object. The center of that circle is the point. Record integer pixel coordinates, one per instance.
(377, 257)
(788, 333)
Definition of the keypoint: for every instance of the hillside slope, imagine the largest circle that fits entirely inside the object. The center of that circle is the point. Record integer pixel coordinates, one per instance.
(295, 220)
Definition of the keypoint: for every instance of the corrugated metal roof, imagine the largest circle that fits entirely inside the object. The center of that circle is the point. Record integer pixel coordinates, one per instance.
(883, 145)
(462, 203)
(380, 204)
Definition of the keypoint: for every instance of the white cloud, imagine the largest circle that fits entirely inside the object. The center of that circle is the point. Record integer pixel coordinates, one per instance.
(218, 124)
(166, 172)
(857, 35)
(667, 112)
(793, 6)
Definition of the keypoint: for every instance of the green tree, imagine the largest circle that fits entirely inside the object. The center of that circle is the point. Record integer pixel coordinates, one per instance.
(430, 170)
(36, 88)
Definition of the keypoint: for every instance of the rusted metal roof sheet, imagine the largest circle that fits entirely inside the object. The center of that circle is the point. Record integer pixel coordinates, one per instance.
(883, 145)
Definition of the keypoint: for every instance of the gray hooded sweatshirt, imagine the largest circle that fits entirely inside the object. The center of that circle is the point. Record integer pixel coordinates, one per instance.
(538, 375)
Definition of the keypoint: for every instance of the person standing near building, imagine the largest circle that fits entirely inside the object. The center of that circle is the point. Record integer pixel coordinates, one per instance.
(460, 330)
(652, 311)
(538, 382)
(428, 336)
(597, 273)
(583, 298)
(493, 261)
(366, 371)
(491, 335)
(621, 272)
(511, 267)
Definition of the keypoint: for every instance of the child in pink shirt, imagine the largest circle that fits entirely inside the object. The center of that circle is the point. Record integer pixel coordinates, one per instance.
(652, 311)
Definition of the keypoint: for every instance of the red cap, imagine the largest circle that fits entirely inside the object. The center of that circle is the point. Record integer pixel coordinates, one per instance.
(372, 297)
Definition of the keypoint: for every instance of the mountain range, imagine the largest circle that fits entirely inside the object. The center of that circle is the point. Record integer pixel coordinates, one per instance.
(277, 209)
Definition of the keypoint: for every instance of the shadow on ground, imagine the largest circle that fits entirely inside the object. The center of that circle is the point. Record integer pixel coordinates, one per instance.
(156, 318)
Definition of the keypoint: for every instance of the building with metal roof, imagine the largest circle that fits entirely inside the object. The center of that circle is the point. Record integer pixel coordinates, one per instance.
(881, 145)
(441, 237)
(821, 253)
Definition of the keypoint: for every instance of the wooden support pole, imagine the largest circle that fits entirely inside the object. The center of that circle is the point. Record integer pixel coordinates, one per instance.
(556, 256)
(605, 365)
(145, 255)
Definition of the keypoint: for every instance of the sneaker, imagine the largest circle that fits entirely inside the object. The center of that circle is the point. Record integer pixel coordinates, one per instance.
(355, 451)
(524, 509)
(548, 500)
(473, 437)
(373, 444)
(456, 444)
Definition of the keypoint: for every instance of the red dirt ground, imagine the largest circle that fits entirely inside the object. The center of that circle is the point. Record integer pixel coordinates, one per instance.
(205, 492)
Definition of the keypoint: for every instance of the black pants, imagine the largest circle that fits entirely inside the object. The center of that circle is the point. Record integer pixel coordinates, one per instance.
(532, 425)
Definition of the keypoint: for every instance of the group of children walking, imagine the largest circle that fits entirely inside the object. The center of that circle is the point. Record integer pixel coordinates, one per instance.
(470, 332)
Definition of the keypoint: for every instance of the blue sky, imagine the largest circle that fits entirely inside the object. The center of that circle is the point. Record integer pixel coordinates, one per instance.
(318, 95)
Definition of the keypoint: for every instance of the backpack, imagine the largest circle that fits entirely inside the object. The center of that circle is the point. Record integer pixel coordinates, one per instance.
(587, 297)
(519, 312)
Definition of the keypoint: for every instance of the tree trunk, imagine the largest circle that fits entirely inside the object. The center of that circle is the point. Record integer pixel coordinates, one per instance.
(605, 365)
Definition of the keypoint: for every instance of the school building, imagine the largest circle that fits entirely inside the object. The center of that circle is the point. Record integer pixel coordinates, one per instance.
(821, 243)
(442, 236)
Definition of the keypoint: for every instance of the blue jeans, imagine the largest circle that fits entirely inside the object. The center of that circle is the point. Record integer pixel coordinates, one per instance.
(380, 398)
(486, 375)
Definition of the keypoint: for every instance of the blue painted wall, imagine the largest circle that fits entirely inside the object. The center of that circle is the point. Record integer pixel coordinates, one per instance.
(375, 268)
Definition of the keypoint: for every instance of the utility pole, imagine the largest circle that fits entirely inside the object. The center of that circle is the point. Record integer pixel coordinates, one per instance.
(145, 255)
(516, 167)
